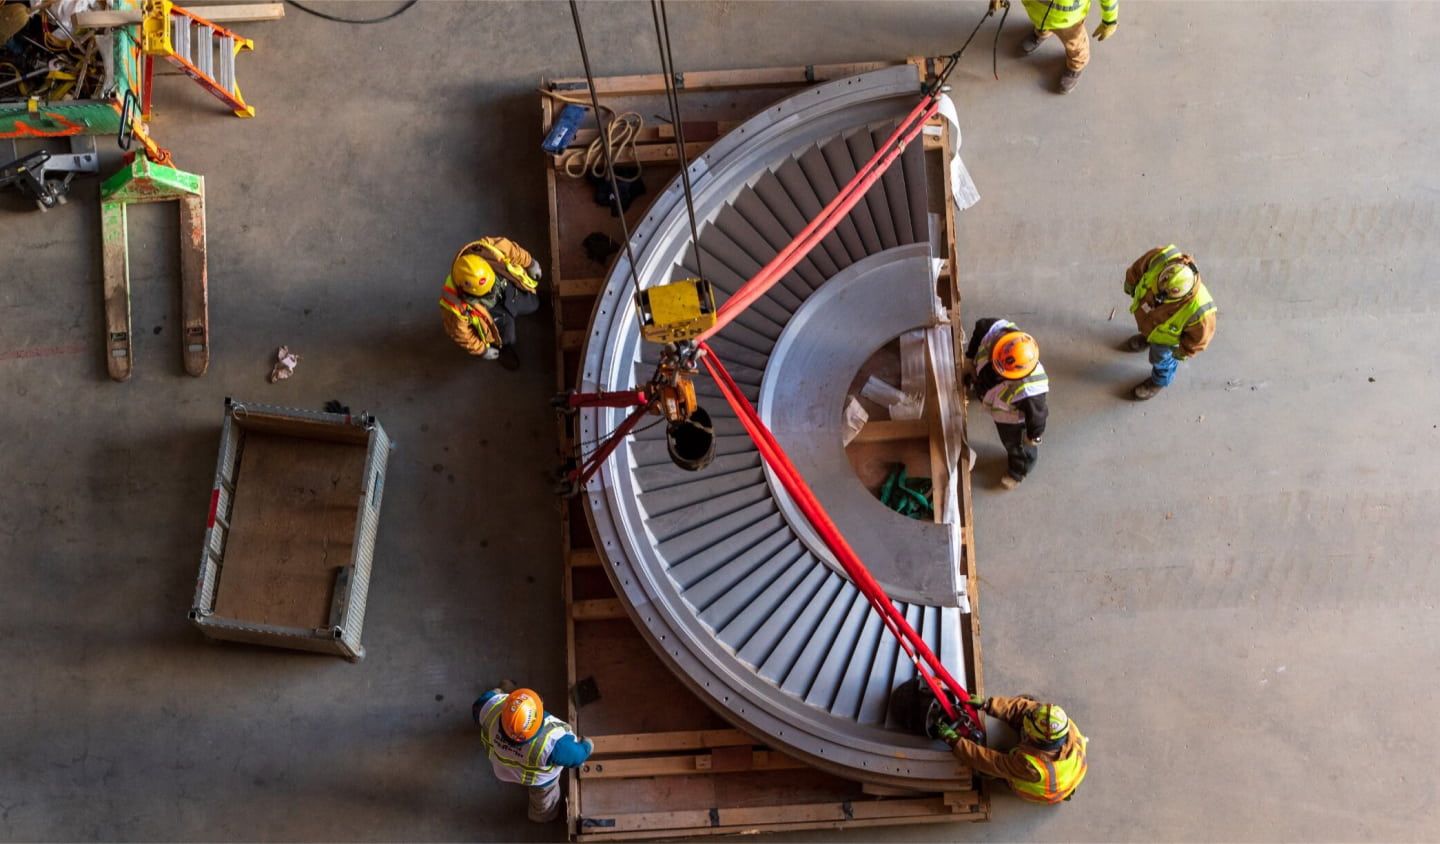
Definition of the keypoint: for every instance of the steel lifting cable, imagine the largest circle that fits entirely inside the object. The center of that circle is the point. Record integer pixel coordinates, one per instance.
(672, 98)
(609, 159)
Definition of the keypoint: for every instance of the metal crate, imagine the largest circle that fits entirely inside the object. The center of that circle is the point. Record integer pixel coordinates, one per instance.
(340, 634)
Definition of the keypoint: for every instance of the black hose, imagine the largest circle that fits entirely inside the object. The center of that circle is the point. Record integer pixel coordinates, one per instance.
(395, 14)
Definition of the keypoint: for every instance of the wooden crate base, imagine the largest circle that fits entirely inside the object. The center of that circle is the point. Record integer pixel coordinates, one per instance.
(665, 765)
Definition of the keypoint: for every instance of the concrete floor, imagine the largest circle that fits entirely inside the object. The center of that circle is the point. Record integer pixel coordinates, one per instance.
(1231, 588)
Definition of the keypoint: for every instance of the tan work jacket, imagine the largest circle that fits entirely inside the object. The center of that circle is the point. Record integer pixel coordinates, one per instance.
(1012, 764)
(1194, 338)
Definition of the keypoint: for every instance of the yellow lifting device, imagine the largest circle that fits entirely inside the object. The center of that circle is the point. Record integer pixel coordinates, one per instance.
(676, 312)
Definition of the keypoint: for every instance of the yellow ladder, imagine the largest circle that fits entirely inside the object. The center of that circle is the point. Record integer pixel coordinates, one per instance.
(204, 50)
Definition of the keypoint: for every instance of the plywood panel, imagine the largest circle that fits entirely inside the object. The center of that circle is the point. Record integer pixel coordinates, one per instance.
(291, 528)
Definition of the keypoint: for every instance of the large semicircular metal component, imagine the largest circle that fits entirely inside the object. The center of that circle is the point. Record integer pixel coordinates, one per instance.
(717, 568)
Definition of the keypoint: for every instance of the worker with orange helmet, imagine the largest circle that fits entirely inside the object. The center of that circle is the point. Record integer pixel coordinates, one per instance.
(1048, 763)
(1003, 364)
(528, 745)
(1173, 311)
(492, 281)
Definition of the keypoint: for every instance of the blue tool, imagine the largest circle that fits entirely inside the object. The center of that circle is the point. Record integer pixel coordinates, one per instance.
(564, 128)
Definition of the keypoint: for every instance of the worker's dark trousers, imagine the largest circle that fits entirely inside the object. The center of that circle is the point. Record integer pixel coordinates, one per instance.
(1022, 457)
(511, 304)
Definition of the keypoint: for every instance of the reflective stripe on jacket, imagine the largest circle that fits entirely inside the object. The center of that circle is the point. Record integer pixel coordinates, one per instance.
(1193, 309)
(473, 315)
(1058, 778)
(1063, 14)
(527, 762)
(1000, 399)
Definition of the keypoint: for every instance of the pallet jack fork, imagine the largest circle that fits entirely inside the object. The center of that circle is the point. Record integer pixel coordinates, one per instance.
(143, 180)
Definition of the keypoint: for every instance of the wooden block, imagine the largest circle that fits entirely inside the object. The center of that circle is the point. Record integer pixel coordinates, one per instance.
(727, 760)
(572, 339)
(568, 287)
(669, 741)
(890, 430)
(103, 18)
(654, 83)
(584, 558)
(599, 609)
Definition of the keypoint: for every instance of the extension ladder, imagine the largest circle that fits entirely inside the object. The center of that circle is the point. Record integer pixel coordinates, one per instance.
(203, 49)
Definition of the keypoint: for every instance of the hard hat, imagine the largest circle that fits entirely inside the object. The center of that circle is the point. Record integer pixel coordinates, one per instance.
(1175, 281)
(1047, 723)
(1015, 355)
(521, 714)
(473, 274)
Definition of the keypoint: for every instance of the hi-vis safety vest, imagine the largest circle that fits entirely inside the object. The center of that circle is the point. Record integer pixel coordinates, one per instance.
(1001, 398)
(1063, 14)
(1058, 779)
(519, 275)
(476, 315)
(527, 763)
(1195, 308)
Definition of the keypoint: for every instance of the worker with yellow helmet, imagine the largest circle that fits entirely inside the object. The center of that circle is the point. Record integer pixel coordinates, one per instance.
(1174, 313)
(528, 745)
(1003, 364)
(1045, 767)
(492, 281)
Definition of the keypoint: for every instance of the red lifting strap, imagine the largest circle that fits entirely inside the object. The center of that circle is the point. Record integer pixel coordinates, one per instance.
(926, 663)
(829, 217)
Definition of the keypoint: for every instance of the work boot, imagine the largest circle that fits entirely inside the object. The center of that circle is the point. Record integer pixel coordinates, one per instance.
(1069, 79)
(1146, 390)
(509, 358)
(1031, 43)
(1010, 481)
(1137, 343)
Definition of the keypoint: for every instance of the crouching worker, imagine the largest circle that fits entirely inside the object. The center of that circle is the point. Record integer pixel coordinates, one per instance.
(1045, 767)
(528, 746)
(492, 283)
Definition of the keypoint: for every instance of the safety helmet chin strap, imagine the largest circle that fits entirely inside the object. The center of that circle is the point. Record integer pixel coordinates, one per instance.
(1053, 744)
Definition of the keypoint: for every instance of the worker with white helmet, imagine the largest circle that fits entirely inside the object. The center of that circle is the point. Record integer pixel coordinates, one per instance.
(1173, 311)
(529, 746)
(492, 281)
(1048, 763)
(1003, 364)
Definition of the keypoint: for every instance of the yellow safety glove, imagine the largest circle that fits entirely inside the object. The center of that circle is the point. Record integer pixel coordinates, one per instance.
(1105, 30)
(947, 734)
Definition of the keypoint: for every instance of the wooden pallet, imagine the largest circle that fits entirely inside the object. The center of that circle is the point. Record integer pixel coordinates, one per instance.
(665, 765)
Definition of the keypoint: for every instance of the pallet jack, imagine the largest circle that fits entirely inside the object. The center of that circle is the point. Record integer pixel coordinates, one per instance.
(671, 315)
(45, 177)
